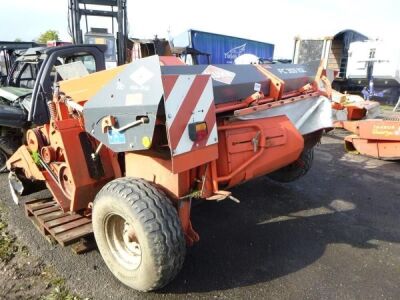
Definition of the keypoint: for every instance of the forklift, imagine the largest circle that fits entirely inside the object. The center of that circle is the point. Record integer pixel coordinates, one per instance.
(116, 10)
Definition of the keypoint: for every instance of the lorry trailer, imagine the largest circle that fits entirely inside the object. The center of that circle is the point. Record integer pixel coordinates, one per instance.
(221, 49)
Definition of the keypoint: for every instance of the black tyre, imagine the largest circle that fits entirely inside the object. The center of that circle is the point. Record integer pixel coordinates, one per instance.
(8, 145)
(138, 233)
(296, 169)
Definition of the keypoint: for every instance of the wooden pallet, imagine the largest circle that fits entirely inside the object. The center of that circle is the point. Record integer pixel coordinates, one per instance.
(64, 227)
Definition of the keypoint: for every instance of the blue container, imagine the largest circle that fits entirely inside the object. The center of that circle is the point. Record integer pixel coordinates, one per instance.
(223, 49)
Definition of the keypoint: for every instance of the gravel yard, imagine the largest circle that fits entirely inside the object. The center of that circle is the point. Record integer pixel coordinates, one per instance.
(334, 234)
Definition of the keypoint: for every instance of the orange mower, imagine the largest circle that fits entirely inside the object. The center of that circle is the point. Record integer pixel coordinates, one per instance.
(378, 138)
(124, 151)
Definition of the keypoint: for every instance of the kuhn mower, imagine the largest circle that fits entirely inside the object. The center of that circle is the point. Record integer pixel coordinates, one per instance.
(124, 151)
(378, 138)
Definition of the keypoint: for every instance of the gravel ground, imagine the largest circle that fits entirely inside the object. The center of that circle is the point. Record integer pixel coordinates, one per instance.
(334, 234)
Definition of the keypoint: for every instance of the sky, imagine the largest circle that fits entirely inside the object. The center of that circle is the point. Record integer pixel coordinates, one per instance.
(277, 22)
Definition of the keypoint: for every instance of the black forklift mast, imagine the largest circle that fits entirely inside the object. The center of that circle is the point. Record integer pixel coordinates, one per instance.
(117, 10)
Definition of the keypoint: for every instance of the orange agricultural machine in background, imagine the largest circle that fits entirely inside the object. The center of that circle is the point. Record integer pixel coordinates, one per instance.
(124, 151)
(374, 137)
(378, 138)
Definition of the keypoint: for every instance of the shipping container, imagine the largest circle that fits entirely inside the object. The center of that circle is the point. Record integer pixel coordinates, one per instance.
(222, 49)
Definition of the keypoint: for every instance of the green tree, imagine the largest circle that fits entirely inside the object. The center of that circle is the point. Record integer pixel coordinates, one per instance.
(17, 40)
(49, 35)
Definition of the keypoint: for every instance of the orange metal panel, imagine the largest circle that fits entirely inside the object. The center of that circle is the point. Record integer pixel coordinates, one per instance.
(171, 61)
(22, 159)
(380, 130)
(158, 171)
(277, 85)
(73, 174)
(375, 148)
(186, 161)
(389, 149)
(82, 89)
(62, 200)
(191, 235)
(355, 113)
(363, 146)
(352, 126)
(245, 152)
(269, 105)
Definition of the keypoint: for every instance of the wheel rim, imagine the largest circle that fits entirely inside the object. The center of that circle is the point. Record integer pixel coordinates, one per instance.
(123, 242)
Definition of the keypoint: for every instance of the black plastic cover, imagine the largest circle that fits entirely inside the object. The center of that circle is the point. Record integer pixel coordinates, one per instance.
(246, 78)
(11, 116)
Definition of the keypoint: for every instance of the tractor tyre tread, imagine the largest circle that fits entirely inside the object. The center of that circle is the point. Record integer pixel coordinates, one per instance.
(293, 171)
(8, 145)
(160, 222)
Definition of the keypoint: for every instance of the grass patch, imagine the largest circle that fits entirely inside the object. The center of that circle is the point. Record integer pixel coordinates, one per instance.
(10, 248)
(7, 241)
(7, 247)
(387, 107)
(59, 290)
(60, 293)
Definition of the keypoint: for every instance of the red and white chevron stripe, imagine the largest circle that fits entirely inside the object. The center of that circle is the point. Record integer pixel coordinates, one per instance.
(188, 99)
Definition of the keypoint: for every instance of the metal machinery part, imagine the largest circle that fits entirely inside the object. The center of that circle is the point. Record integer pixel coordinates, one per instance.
(123, 241)
(374, 137)
(193, 132)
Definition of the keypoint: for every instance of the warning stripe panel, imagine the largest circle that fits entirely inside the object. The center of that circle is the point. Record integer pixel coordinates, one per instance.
(176, 96)
(213, 137)
(168, 83)
(200, 112)
(186, 110)
(188, 99)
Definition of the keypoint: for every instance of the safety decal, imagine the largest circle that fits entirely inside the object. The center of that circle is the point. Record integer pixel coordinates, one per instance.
(115, 137)
(219, 74)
